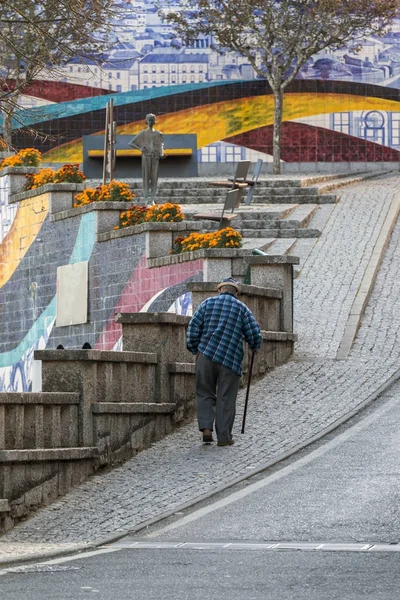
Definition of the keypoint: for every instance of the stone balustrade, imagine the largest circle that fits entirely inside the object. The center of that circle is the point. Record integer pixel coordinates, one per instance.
(40, 457)
(99, 377)
(266, 303)
(38, 420)
(165, 334)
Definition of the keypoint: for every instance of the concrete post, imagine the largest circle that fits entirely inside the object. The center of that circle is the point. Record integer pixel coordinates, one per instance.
(277, 272)
(163, 334)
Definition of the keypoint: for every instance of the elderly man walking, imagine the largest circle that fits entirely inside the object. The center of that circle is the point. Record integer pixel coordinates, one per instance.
(215, 335)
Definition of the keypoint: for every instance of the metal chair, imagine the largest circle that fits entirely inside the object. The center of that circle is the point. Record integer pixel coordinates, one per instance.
(252, 182)
(238, 180)
(232, 201)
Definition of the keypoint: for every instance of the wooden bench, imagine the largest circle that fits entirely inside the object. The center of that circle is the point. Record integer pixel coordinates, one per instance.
(137, 153)
(180, 151)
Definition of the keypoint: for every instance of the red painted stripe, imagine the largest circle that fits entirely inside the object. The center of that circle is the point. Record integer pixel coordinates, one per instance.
(143, 284)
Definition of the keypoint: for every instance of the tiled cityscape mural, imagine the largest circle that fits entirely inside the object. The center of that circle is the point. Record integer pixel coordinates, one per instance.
(343, 105)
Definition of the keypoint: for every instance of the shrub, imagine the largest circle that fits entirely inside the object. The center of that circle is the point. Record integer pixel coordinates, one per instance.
(86, 197)
(35, 180)
(115, 191)
(66, 174)
(170, 213)
(223, 238)
(28, 157)
(69, 173)
(165, 212)
(133, 216)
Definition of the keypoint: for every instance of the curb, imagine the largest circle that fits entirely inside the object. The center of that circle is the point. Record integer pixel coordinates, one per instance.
(368, 280)
(350, 179)
(82, 547)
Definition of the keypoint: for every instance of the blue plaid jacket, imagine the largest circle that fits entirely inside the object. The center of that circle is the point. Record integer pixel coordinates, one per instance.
(217, 329)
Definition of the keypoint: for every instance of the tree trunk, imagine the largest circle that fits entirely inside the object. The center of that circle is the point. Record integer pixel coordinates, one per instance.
(7, 129)
(278, 111)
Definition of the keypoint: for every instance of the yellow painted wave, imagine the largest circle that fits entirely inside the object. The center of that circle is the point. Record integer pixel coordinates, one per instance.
(26, 225)
(220, 120)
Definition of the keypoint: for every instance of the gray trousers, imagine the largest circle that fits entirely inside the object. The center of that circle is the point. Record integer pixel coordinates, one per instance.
(150, 164)
(216, 392)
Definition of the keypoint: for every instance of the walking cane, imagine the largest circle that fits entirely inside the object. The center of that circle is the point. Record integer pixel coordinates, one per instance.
(248, 390)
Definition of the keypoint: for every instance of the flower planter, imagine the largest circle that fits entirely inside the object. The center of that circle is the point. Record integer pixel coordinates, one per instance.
(61, 195)
(16, 177)
(160, 236)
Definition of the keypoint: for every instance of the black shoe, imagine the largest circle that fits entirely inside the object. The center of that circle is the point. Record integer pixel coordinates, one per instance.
(227, 443)
(60, 347)
(207, 436)
(86, 346)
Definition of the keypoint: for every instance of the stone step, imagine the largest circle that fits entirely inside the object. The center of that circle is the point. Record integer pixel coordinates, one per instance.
(279, 233)
(260, 243)
(255, 218)
(188, 200)
(307, 199)
(200, 188)
(280, 246)
(300, 217)
(339, 182)
(286, 191)
(258, 198)
(195, 191)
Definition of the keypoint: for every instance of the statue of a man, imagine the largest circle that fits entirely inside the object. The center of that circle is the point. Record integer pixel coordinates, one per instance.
(151, 144)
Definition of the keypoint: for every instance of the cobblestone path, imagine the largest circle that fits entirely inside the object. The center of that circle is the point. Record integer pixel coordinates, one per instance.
(292, 404)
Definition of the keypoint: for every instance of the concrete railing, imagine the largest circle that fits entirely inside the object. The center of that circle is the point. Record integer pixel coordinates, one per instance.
(38, 420)
(39, 454)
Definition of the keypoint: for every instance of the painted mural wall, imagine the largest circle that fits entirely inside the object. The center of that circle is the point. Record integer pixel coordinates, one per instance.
(32, 246)
(342, 107)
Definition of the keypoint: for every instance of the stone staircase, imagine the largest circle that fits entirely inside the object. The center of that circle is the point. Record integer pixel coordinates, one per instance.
(199, 191)
(286, 215)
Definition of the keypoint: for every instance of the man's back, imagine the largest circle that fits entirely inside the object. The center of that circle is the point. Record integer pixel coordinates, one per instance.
(217, 330)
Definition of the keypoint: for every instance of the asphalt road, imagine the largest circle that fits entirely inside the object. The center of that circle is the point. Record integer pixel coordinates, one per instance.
(345, 491)
(222, 575)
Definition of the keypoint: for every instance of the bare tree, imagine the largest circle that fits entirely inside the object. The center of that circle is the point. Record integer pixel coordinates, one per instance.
(43, 35)
(279, 36)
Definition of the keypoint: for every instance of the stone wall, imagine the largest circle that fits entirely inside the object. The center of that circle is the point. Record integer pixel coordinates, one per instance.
(45, 232)
(102, 405)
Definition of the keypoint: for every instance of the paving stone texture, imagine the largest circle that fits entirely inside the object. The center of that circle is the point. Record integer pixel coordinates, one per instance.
(288, 407)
